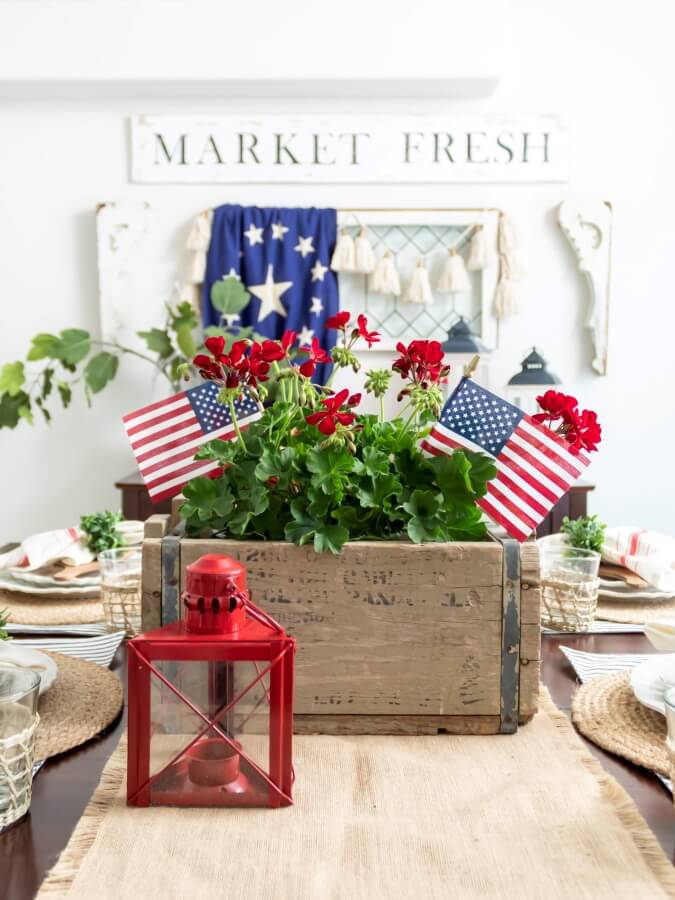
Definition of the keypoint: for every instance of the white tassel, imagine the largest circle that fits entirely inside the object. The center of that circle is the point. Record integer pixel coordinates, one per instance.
(454, 278)
(511, 268)
(507, 298)
(364, 256)
(419, 289)
(508, 235)
(384, 279)
(344, 256)
(479, 256)
(198, 241)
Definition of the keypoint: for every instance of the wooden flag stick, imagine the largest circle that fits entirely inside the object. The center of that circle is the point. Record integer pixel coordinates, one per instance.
(471, 367)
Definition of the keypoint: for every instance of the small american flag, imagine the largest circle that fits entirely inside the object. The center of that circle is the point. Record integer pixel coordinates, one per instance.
(535, 467)
(166, 435)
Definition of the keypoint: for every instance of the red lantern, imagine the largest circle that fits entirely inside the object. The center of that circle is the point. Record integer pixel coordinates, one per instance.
(211, 700)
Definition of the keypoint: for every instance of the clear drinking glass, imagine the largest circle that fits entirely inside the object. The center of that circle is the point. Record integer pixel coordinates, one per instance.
(569, 581)
(121, 588)
(19, 691)
(670, 737)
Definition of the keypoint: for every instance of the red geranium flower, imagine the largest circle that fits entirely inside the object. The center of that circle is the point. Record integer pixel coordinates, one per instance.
(215, 345)
(421, 361)
(372, 337)
(327, 419)
(207, 367)
(354, 400)
(555, 405)
(316, 354)
(256, 365)
(339, 320)
(582, 430)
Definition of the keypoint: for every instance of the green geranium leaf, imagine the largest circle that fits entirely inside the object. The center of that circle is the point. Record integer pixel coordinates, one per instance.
(330, 538)
(47, 376)
(100, 369)
(452, 474)
(185, 340)
(73, 345)
(374, 462)
(275, 464)
(425, 524)
(223, 452)
(302, 528)
(423, 504)
(12, 378)
(26, 414)
(229, 296)
(330, 469)
(44, 346)
(157, 341)
(207, 498)
(483, 470)
(183, 314)
(376, 492)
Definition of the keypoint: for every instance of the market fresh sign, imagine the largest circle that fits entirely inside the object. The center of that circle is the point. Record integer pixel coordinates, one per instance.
(359, 148)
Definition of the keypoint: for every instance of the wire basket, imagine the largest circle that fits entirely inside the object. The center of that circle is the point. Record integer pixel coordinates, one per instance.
(569, 588)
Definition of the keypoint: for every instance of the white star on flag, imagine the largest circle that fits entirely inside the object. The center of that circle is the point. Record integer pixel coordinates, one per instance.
(269, 294)
(318, 271)
(254, 235)
(305, 336)
(304, 246)
(232, 274)
(317, 306)
(278, 231)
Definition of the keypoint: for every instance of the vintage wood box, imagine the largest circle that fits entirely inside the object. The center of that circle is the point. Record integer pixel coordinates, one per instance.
(393, 637)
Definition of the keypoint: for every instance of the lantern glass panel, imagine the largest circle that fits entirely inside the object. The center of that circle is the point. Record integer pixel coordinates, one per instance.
(209, 733)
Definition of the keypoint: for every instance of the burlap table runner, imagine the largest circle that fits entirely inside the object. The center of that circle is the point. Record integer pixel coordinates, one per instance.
(530, 815)
(25, 609)
(632, 612)
(607, 712)
(84, 699)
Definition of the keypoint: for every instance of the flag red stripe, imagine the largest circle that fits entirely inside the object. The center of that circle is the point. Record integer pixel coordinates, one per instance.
(176, 473)
(515, 511)
(165, 432)
(163, 463)
(176, 488)
(150, 408)
(533, 461)
(141, 457)
(519, 492)
(164, 417)
(565, 446)
(494, 514)
(549, 452)
(444, 439)
(425, 445)
(530, 479)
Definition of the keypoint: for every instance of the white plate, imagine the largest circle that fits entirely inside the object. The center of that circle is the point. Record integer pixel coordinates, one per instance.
(9, 583)
(652, 678)
(14, 654)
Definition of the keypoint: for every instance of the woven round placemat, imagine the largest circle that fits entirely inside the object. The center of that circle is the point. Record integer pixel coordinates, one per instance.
(633, 612)
(25, 609)
(84, 699)
(606, 711)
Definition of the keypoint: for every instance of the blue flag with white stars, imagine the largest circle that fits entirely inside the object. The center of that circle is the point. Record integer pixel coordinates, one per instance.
(282, 256)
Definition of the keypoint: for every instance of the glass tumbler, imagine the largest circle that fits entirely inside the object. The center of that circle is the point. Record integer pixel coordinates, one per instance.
(19, 691)
(121, 589)
(670, 737)
(569, 582)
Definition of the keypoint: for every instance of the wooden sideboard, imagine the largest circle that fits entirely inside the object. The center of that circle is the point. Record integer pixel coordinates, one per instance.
(136, 503)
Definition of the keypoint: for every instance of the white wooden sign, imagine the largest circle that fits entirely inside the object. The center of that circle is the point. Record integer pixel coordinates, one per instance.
(356, 148)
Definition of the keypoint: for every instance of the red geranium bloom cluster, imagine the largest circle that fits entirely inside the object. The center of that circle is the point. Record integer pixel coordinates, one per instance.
(315, 355)
(421, 362)
(239, 368)
(327, 419)
(339, 320)
(581, 429)
(371, 337)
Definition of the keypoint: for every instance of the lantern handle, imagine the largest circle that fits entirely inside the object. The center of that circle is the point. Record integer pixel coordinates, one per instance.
(471, 366)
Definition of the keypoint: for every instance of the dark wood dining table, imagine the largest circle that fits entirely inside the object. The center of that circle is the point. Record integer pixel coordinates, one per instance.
(62, 789)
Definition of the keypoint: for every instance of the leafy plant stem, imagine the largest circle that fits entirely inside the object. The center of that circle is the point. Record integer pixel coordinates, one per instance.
(237, 430)
(381, 409)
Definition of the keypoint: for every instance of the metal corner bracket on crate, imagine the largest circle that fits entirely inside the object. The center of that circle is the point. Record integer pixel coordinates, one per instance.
(392, 637)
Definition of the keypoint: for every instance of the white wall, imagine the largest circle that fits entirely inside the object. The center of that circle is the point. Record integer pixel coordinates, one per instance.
(607, 65)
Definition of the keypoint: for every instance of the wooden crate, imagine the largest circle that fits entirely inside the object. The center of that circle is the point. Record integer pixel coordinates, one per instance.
(393, 637)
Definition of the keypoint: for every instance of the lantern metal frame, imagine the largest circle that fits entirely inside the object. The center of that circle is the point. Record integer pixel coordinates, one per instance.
(262, 640)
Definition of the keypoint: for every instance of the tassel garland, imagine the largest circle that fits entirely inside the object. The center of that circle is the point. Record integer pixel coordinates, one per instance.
(419, 289)
(507, 299)
(344, 255)
(454, 278)
(508, 236)
(479, 256)
(385, 279)
(364, 256)
(198, 242)
(511, 267)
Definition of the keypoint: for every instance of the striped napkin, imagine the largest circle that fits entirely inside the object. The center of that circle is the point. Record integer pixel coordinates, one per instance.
(591, 665)
(600, 627)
